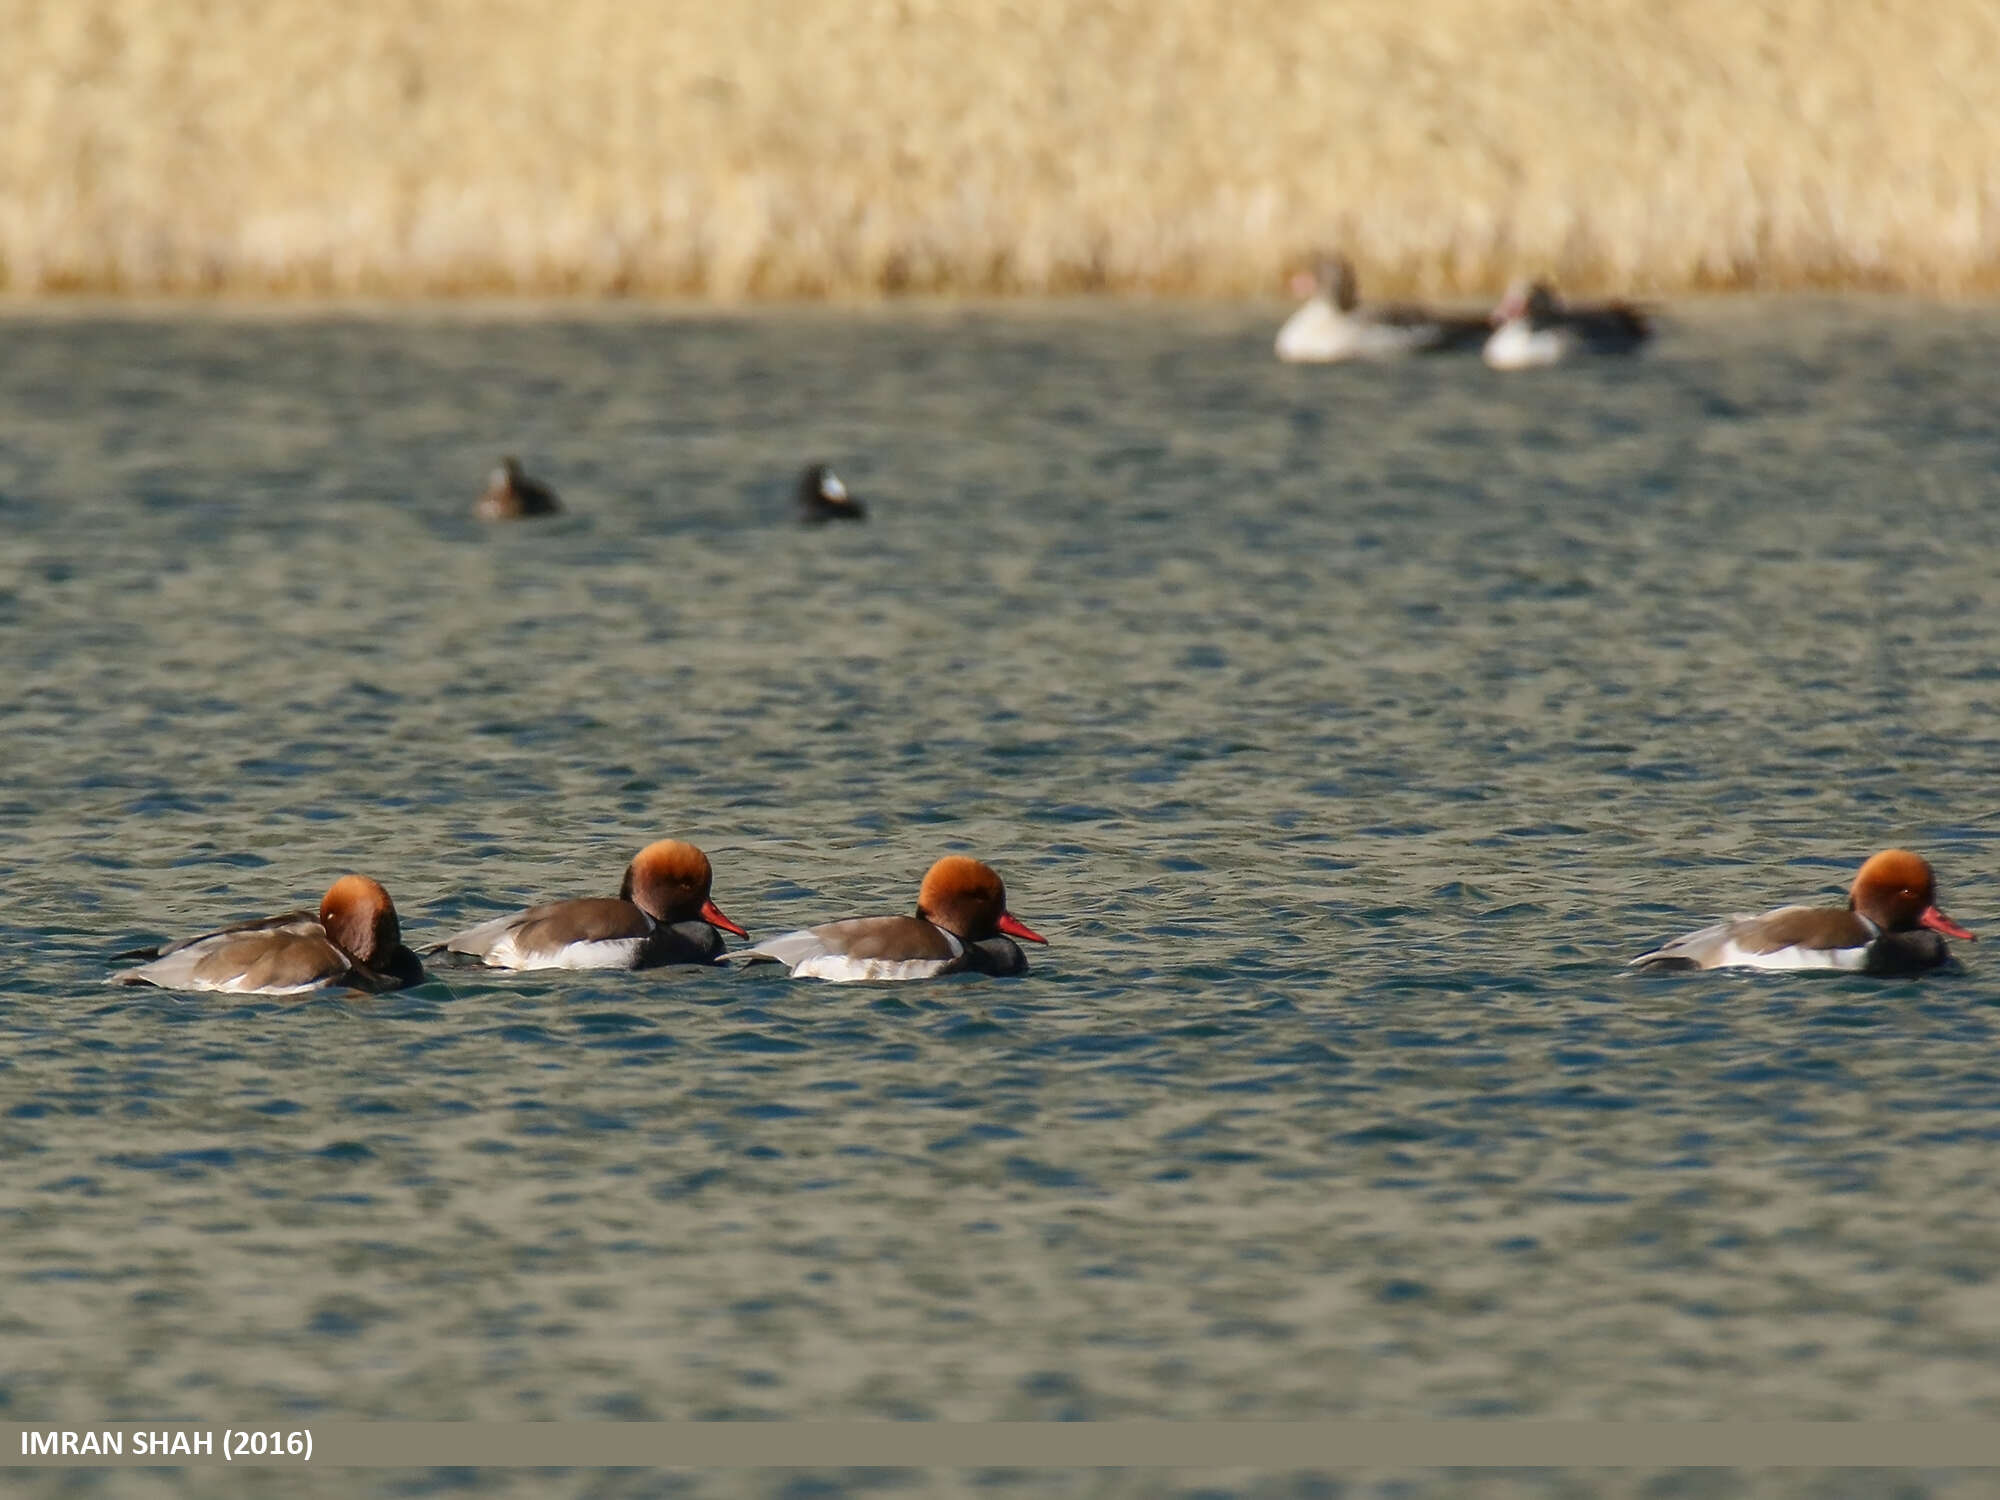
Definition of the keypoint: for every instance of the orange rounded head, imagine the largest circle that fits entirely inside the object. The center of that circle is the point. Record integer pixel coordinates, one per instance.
(361, 919)
(669, 882)
(967, 898)
(1897, 892)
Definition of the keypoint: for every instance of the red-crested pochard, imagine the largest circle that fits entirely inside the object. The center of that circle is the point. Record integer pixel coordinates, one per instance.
(1333, 326)
(1890, 925)
(962, 925)
(662, 914)
(352, 942)
(1533, 327)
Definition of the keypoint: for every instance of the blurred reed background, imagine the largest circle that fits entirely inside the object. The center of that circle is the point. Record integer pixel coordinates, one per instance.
(805, 148)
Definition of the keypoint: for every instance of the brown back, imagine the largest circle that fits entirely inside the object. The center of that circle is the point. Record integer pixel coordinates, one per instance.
(545, 929)
(1826, 927)
(271, 960)
(892, 938)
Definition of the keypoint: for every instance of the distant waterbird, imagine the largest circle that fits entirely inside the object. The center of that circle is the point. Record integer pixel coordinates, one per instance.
(821, 497)
(1332, 326)
(512, 494)
(1533, 327)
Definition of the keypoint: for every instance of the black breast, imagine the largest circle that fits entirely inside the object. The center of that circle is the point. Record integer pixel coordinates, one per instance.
(1907, 952)
(682, 943)
(995, 955)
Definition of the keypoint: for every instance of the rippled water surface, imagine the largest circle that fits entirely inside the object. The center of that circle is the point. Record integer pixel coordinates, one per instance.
(1343, 729)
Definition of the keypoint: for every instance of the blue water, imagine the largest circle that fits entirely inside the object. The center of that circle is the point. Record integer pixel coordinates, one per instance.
(1344, 729)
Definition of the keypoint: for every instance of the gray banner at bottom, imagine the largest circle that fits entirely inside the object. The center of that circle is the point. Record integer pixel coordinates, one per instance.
(1011, 1445)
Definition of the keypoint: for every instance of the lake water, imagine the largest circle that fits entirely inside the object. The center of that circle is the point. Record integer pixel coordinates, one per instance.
(1344, 730)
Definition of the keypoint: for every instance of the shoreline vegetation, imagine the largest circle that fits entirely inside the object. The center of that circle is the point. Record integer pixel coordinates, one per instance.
(844, 149)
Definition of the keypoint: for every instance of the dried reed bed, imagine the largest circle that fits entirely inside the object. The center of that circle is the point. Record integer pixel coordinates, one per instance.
(731, 148)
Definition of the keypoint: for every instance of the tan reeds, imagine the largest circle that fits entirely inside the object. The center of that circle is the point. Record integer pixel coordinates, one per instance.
(730, 148)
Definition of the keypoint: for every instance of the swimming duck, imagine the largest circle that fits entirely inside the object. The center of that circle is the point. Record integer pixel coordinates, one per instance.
(1333, 326)
(1533, 327)
(1890, 925)
(511, 494)
(822, 497)
(662, 914)
(961, 924)
(352, 942)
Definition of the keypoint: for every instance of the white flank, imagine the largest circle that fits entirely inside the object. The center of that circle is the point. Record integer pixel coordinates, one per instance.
(238, 987)
(1730, 956)
(841, 969)
(1516, 346)
(1315, 334)
(1720, 947)
(807, 954)
(831, 487)
(602, 953)
(1320, 334)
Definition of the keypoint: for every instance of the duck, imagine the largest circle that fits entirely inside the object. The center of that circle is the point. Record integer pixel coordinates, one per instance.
(352, 942)
(1333, 326)
(822, 497)
(511, 495)
(1890, 925)
(961, 925)
(1533, 327)
(661, 915)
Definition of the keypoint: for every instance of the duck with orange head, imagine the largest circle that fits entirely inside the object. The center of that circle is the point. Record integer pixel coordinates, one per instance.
(662, 914)
(961, 925)
(1890, 925)
(352, 942)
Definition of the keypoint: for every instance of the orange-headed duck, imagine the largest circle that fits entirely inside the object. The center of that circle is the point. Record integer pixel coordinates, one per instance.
(1533, 327)
(1333, 326)
(822, 497)
(352, 942)
(662, 914)
(512, 494)
(1890, 925)
(962, 925)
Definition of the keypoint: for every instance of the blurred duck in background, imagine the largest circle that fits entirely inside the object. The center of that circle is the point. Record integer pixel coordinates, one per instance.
(1533, 327)
(822, 497)
(511, 494)
(1333, 326)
